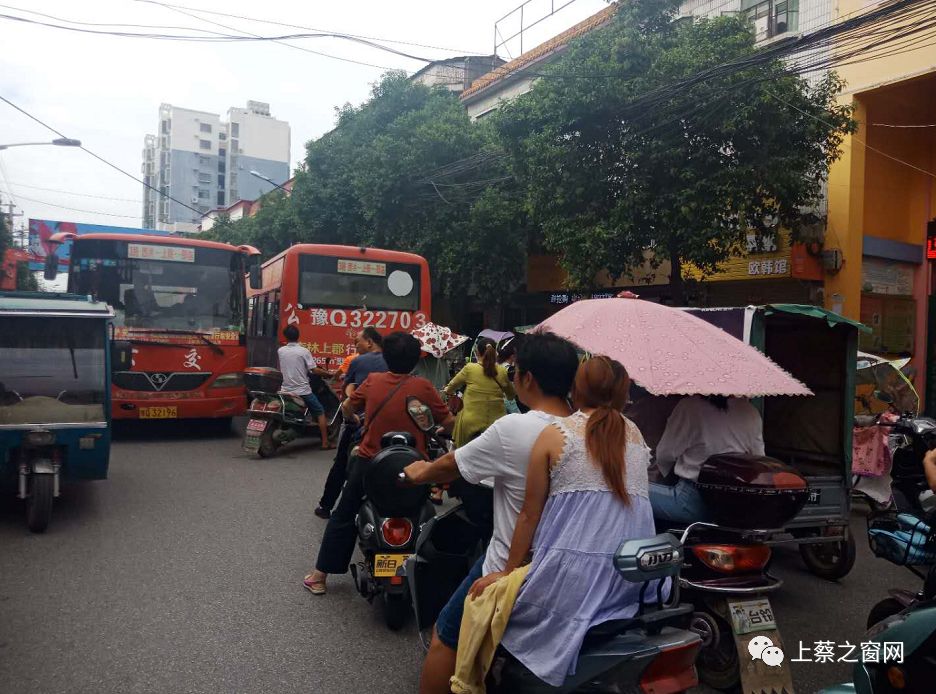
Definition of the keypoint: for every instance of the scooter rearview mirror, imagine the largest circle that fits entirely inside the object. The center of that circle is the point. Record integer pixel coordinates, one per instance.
(420, 413)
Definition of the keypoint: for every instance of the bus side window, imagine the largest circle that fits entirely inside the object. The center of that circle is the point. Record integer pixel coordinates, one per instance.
(252, 317)
(274, 315)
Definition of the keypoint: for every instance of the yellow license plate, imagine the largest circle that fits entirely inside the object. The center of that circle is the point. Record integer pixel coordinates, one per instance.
(386, 565)
(159, 412)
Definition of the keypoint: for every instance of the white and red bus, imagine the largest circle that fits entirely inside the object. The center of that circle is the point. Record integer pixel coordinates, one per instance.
(182, 305)
(330, 293)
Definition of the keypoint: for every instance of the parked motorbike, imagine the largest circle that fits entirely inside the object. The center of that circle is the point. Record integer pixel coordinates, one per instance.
(651, 652)
(278, 418)
(391, 516)
(726, 574)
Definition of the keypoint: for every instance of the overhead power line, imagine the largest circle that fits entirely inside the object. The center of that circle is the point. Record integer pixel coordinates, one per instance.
(78, 209)
(102, 159)
(72, 192)
(308, 28)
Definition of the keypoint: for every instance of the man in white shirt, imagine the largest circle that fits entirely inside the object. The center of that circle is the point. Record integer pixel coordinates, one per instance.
(296, 362)
(546, 366)
(698, 428)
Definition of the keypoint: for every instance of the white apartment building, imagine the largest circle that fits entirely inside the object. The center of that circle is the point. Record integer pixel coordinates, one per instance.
(204, 162)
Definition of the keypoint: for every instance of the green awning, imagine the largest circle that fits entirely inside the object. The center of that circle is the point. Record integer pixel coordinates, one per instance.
(831, 318)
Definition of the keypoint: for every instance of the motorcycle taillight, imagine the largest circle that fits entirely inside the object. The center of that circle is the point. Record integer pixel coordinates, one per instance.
(673, 670)
(274, 406)
(396, 531)
(733, 558)
(256, 405)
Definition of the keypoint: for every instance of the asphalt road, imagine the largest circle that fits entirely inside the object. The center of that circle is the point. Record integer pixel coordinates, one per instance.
(181, 573)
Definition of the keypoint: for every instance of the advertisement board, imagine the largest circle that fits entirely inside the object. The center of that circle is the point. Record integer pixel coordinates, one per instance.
(41, 229)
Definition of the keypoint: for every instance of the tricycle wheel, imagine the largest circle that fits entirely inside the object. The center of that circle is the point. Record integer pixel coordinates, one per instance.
(829, 560)
(718, 662)
(268, 444)
(39, 502)
(397, 610)
(888, 607)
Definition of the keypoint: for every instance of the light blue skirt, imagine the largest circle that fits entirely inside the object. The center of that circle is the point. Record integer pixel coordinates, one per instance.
(572, 584)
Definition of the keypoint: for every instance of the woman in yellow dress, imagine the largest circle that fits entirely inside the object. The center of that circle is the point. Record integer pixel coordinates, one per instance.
(485, 385)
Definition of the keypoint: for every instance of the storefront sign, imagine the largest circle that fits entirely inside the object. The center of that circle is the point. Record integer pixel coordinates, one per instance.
(886, 277)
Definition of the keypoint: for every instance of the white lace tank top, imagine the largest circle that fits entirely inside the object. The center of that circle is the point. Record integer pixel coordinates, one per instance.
(576, 470)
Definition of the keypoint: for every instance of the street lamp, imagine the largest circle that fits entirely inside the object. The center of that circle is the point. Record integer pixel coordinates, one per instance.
(60, 142)
(257, 174)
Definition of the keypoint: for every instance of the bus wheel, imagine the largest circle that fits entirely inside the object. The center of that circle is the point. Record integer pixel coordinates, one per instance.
(268, 444)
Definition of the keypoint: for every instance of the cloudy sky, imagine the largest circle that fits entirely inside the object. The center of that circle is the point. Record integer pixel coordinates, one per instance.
(106, 90)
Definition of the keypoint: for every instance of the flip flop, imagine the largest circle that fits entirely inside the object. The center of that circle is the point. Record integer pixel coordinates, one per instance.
(314, 587)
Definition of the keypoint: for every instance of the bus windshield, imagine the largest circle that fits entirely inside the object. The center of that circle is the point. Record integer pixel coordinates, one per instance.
(162, 286)
(326, 281)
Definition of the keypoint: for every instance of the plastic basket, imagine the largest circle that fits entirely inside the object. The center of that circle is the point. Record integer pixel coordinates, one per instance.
(902, 538)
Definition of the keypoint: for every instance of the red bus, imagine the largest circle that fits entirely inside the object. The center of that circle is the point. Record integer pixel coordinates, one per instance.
(330, 293)
(181, 303)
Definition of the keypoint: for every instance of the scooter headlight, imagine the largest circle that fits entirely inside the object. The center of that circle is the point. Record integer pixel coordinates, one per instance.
(39, 437)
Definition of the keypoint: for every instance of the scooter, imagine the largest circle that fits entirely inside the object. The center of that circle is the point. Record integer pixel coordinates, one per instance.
(278, 418)
(909, 540)
(391, 516)
(902, 661)
(726, 574)
(652, 652)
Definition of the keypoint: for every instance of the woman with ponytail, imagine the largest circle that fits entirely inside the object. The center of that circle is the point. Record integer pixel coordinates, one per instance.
(586, 493)
(485, 386)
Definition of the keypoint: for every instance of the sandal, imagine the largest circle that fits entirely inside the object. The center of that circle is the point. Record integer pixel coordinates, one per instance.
(314, 587)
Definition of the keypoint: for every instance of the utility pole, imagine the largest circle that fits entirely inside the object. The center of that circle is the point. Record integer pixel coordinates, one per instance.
(9, 217)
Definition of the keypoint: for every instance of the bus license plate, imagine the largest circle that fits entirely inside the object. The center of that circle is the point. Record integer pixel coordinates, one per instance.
(159, 412)
(386, 565)
(751, 615)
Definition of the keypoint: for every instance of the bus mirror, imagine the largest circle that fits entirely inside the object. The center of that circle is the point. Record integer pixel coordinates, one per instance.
(51, 267)
(255, 276)
(121, 355)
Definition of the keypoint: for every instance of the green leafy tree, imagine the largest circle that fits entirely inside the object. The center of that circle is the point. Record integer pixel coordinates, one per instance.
(615, 160)
(406, 170)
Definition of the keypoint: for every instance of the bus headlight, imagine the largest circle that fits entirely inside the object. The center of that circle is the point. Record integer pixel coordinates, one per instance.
(235, 379)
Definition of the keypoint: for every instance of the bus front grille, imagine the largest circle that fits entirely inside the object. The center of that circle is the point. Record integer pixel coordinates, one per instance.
(159, 381)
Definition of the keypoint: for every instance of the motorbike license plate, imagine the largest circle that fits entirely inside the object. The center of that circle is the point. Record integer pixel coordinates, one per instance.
(748, 616)
(159, 412)
(386, 565)
(257, 425)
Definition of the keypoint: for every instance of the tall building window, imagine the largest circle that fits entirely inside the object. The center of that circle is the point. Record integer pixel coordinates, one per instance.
(203, 194)
(204, 144)
(220, 198)
(221, 181)
(166, 124)
(222, 153)
(772, 17)
(235, 129)
(222, 136)
(205, 127)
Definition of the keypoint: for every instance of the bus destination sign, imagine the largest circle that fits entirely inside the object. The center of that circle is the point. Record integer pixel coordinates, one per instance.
(175, 254)
(360, 267)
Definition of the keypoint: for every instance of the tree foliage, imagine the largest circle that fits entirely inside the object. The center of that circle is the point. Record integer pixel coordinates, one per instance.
(609, 172)
(383, 177)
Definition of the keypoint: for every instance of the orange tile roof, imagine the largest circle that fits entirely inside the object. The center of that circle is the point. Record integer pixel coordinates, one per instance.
(544, 49)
